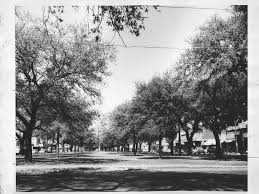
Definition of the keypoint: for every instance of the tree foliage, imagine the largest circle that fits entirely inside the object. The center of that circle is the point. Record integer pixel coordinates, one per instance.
(215, 72)
(118, 18)
(55, 65)
(208, 86)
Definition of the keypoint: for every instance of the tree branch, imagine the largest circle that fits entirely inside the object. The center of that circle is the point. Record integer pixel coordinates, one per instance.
(28, 111)
(39, 128)
(24, 121)
(19, 129)
(18, 136)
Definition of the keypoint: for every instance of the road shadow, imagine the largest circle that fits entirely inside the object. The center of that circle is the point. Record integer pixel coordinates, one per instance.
(131, 154)
(195, 157)
(85, 179)
(168, 157)
(225, 157)
(50, 159)
(126, 153)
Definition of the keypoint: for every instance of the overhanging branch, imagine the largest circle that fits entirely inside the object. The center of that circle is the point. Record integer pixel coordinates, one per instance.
(24, 121)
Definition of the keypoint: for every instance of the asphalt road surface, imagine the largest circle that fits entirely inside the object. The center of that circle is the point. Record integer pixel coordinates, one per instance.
(110, 171)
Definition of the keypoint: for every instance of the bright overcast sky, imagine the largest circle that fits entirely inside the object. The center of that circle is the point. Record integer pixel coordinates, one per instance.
(169, 28)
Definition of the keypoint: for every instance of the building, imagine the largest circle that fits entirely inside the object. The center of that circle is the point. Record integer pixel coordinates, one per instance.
(233, 139)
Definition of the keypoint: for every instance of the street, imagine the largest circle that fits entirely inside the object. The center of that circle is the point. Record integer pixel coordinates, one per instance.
(110, 171)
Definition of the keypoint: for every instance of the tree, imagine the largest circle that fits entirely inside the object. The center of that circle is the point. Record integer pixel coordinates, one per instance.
(56, 128)
(137, 120)
(191, 124)
(118, 18)
(159, 103)
(54, 64)
(109, 139)
(190, 117)
(123, 126)
(20, 135)
(148, 133)
(79, 122)
(89, 140)
(126, 122)
(215, 69)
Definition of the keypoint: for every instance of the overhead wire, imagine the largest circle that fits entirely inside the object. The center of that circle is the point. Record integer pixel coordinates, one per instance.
(156, 47)
(193, 7)
(164, 47)
(148, 47)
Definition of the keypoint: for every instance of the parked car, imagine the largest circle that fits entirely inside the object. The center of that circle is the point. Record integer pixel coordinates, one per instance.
(199, 150)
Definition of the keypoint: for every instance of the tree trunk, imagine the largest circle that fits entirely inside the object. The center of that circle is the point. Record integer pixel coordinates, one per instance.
(240, 143)
(149, 146)
(134, 144)
(28, 135)
(57, 145)
(81, 146)
(140, 148)
(171, 147)
(135, 149)
(179, 134)
(189, 138)
(189, 146)
(22, 150)
(52, 143)
(75, 148)
(171, 141)
(27, 143)
(160, 147)
(47, 143)
(63, 146)
(218, 147)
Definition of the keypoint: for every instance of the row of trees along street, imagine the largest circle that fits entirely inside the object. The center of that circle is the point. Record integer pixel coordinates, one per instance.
(207, 87)
(59, 68)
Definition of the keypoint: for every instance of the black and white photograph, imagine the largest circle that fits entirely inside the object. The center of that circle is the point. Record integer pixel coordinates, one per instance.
(118, 98)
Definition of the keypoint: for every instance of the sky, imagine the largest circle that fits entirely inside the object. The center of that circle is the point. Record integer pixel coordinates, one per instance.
(170, 27)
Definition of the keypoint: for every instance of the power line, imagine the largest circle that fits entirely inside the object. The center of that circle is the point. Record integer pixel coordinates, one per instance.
(157, 47)
(192, 7)
(162, 47)
(148, 47)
